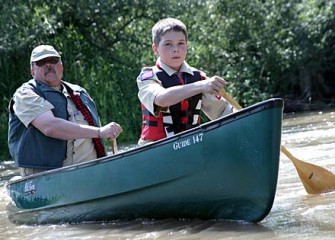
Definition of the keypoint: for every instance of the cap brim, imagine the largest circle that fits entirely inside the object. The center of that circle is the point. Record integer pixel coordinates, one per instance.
(44, 56)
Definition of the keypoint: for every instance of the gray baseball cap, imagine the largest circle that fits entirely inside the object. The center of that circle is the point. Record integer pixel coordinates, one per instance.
(43, 51)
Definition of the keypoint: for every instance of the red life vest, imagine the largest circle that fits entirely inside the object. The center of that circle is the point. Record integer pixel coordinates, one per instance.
(179, 117)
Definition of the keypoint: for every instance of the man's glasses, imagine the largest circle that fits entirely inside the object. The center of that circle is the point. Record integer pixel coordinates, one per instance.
(52, 60)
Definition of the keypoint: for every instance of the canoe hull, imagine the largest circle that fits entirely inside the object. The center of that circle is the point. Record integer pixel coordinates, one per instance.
(225, 170)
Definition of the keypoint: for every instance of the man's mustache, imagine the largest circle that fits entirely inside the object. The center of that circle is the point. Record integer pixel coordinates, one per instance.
(49, 69)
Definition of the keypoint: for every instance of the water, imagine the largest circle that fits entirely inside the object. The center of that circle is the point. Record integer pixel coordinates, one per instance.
(295, 214)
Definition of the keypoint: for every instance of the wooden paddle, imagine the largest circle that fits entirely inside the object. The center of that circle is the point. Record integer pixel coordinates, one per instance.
(314, 178)
(114, 146)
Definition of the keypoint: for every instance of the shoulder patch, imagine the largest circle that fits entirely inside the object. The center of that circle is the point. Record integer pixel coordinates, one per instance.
(146, 75)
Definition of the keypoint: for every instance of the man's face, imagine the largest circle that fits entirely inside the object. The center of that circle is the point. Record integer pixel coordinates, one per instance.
(172, 49)
(48, 70)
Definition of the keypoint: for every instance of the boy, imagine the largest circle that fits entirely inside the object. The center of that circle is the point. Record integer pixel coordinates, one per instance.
(172, 93)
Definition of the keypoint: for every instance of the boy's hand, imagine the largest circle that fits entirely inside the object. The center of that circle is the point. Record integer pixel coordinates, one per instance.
(213, 85)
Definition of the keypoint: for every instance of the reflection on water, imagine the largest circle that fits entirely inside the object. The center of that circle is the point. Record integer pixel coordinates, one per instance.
(295, 214)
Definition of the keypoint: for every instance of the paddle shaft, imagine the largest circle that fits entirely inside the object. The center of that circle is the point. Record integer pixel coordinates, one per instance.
(114, 146)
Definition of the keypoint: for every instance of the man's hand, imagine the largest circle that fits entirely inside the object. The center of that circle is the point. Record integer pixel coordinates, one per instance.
(111, 130)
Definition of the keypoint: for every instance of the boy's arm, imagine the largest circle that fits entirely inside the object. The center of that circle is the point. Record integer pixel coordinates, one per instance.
(173, 95)
(156, 98)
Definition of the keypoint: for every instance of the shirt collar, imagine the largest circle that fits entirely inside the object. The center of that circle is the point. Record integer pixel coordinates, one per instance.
(64, 91)
(185, 68)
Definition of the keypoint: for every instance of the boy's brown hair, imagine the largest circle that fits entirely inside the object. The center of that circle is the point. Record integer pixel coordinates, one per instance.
(165, 25)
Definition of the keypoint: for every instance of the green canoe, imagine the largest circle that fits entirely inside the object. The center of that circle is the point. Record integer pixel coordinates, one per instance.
(225, 169)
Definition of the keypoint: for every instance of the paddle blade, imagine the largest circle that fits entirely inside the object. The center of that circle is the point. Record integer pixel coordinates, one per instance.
(314, 178)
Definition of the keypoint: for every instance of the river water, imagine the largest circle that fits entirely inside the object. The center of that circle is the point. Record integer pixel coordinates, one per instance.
(295, 214)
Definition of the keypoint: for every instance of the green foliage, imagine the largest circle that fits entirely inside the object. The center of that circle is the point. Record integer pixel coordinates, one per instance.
(4, 154)
(261, 47)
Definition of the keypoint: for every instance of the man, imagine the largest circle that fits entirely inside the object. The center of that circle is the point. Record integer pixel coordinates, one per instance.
(54, 123)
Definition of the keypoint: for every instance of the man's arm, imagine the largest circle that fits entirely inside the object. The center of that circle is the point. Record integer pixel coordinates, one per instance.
(59, 128)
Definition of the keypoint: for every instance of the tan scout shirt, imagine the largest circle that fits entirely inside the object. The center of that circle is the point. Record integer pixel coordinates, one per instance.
(29, 105)
(213, 106)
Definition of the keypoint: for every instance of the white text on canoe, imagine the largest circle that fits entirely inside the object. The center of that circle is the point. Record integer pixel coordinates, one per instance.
(188, 142)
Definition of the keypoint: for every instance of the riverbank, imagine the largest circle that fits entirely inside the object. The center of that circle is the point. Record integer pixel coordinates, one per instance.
(296, 106)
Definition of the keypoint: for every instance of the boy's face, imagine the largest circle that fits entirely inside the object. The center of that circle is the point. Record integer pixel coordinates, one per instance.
(172, 49)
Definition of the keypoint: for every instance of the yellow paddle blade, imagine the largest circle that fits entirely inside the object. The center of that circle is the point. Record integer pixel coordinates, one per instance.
(314, 178)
